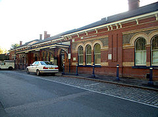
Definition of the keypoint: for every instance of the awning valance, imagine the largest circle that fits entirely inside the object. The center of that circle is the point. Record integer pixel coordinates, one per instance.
(50, 46)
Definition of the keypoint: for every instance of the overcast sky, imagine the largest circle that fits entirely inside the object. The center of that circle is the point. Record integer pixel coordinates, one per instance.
(24, 20)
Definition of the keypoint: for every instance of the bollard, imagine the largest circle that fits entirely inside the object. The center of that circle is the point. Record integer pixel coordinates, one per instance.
(93, 74)
(117, 73)
(76, 69)
(63, 73)
(151, 77)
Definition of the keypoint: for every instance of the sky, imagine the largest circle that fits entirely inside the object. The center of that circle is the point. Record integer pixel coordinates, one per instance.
(25, 20)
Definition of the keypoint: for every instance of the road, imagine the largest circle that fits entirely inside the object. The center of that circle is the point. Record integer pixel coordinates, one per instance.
(28, 95)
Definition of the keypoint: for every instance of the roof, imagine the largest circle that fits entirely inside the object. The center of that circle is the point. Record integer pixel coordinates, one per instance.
(29, 43)
(129, 14)
(132, 13)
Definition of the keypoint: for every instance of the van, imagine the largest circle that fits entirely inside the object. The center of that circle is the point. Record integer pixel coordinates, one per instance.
(7, 64)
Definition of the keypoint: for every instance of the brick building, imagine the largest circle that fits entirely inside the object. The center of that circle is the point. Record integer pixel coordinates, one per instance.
(128, 39)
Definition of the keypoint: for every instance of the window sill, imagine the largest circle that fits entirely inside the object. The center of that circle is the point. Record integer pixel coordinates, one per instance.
(140, 67)
(144, 67)
(89, 65)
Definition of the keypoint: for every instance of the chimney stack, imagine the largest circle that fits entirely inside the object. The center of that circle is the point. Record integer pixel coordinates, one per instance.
(46, 35)
(40, 36)
(20, 43)
(133, 4)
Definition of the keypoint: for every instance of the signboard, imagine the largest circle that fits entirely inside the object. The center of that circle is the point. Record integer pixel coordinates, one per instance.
(69, 56)
(109, 56)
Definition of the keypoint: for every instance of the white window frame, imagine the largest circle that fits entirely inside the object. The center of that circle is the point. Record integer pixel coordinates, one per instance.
(80, 55)
(96, 54)
(141, 56)
(154, 50)
(88, 54)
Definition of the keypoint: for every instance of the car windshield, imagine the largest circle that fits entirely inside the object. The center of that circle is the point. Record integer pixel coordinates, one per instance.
(46, 63)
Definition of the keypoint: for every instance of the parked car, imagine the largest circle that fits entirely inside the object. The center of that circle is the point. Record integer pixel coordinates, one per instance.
(41, 67)
(7, 64)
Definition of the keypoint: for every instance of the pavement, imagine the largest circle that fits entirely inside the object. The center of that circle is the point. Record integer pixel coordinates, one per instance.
(129, 82)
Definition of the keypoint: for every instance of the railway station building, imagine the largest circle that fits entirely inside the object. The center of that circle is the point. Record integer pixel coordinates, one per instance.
(128, 40)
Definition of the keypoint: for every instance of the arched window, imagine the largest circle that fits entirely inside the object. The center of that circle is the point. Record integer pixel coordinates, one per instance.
(80, 55)
(140, 51)
(88, 55)
(154, 50)
(97, 54)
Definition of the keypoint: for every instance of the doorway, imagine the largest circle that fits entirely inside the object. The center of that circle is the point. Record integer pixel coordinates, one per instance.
(62, 59)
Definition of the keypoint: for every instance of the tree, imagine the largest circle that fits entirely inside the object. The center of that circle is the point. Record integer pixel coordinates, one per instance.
(5, 51)
(1, 51)
(13, 46)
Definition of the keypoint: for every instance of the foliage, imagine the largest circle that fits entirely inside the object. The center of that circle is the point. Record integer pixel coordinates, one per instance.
(1, 51)
(13, 46)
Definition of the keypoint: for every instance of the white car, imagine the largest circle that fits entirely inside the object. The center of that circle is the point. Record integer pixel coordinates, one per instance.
(40, 67)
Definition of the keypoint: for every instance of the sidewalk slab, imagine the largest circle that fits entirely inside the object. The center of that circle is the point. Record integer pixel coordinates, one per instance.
(128, 82)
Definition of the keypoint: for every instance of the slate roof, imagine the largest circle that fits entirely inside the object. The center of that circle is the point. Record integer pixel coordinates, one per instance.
(132, 13)
(27, 43)
(129, 14)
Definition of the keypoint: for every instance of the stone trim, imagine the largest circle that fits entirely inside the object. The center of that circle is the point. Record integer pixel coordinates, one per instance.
(129, 39)
(104, 64)
(128, 64)
(140, 30)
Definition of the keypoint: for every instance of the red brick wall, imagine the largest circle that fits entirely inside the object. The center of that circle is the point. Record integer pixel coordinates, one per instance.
(11, 55)
(119, 55)
(128, 55)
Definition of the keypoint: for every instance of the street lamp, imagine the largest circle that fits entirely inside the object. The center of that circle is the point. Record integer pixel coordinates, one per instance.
(93, 74)
(76, 69)
(151, 77)
(117, 73)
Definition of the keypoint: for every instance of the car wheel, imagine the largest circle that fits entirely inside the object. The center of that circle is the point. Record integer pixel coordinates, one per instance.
(10, 68)
(37, 72)
(27, 71)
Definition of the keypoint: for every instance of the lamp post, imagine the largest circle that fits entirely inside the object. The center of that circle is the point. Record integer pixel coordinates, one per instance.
(117, 73)
(151, 77)
(93, 73)
(76, 69)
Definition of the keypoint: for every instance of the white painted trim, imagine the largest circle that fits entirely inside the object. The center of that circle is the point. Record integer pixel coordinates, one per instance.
(120, 21)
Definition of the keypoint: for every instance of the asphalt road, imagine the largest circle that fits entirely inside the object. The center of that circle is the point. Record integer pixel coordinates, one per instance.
(24, 95)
